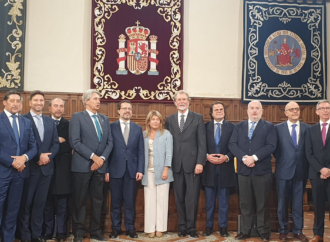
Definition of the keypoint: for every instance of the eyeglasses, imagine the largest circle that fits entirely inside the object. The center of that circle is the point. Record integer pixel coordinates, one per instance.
(293, 109)
(126, 109)
(324, 108)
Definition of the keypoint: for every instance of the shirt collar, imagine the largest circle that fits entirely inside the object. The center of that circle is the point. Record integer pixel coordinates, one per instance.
(290, 123)
(35, 115)
(321, 123)
(90, 113)
(215, 122)
(56, 118)
(250, 121)
(185, 113)
(122, 121)
(9, 114)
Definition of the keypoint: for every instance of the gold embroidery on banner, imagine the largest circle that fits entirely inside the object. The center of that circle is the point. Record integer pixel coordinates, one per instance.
(12, 78)
(169, 9)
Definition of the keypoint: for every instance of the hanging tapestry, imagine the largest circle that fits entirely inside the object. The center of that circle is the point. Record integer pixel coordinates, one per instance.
(12, 41)
(137, 49)
(284, 56)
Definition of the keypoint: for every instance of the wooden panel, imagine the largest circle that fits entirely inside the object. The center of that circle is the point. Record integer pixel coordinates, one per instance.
(236, 112)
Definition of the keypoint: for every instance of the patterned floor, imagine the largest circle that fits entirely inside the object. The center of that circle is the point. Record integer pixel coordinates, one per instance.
(309, 218)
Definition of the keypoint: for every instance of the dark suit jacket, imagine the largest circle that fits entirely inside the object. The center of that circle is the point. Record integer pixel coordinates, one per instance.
(50, 144)
(8, 145)
(189, 146)
(262, 144)
(62, 161)
(290, 160)
(84, 140)
(317, 155)
(130, 156)
(227, 169)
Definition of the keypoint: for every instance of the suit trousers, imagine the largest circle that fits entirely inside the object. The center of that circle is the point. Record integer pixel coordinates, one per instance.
(32, 205)
(82, 182)
(254, 197)
(287, 190)
(155, 205)
(11, 189)
(186, 191)
(56, 204)
(123, 191)
(320, 194)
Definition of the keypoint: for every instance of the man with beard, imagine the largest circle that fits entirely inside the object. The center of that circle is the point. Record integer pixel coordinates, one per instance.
(189, 153)
(126, 167)
(61, 186)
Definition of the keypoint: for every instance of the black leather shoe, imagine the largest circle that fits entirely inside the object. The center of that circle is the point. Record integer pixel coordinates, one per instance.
(193, 234)
(208, 231)
(242, 236)
(39, 239)
(265, 237)
(114, 234)
(182, 233)
(224, 232)
(98, 237)
(132, 234)
(61, 237)
(48, 237)
(78, 239)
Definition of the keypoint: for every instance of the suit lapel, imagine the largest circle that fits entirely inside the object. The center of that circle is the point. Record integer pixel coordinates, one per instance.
(7, 124)
(210, 134)
(260, 123)
(34, 127)
(328, 136)
(90, 123)
(61, 125)
(189, 119)
(21, 128)
(131, 132)
(176, 123)
(287, 133)
(301, 131)
(120, 133)
(103, 126)
(318, 132)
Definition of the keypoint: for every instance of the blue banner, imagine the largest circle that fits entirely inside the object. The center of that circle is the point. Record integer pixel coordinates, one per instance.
(284, 56)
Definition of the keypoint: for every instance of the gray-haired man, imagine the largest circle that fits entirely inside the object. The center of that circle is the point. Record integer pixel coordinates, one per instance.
(90, 137)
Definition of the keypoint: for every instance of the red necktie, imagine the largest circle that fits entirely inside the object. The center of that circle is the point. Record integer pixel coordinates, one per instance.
(324, 132)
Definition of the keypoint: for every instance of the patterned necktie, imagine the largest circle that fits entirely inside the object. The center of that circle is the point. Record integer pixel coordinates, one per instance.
(56, 122)
(217, 134)
(126, 133)
(251, 130)
(324, 132)
(98, 128)
(294, 135)
(40, 127)
(181, 123)
(15, 129)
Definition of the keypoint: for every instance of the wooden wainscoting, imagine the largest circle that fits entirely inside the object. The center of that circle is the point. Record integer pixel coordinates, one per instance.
(236, 112)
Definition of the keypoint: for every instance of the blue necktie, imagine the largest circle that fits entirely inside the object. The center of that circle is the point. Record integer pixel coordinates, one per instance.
(98, 128)
(15, 129)
(56, 122)
(251, 130)
(217, 134)
(294, 135)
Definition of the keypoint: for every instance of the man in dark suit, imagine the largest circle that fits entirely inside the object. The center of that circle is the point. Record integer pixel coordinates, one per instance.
(252, 142)
(90, 137)
(41, 170)
(219, 171)
(126, 167)
(317, 146)
(61, 185)
(189, 155)
(17, 146)
(291, 171)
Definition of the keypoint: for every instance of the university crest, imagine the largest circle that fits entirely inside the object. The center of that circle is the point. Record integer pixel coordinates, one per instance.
(138, 51)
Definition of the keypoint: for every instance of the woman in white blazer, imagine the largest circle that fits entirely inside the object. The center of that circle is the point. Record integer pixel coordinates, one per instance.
(158, 146)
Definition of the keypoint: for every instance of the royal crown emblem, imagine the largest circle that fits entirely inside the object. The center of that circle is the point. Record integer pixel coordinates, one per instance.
(137, 51)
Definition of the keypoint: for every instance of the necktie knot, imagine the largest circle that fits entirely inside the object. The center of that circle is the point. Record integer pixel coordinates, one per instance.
(57, 122)
(14, 116)
(294, 126)
(325, 124)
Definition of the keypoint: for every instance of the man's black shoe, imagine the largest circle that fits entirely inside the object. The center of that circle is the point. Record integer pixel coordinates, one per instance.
(182, 233)
(61, 237)
(193, 234)
(98, 237)
(265, 237)
(208, 231)
(224, 232)
(242, 236)
(132, 234)
(39, 239)
(114, 234)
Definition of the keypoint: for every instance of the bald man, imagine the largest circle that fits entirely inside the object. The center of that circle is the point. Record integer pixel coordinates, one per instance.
(291, 171)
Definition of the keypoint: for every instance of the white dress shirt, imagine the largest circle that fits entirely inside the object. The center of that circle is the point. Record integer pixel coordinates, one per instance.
(297, 129)
(185, 114)
(122, 125)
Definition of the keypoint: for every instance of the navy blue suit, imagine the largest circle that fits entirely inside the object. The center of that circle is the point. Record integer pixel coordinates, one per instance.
(254, 182)
(36, 187)
(291, 175)
(125, 162)
(11, 181)
(217, 179)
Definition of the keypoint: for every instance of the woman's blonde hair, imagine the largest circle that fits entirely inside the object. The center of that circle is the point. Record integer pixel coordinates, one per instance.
(148, 119)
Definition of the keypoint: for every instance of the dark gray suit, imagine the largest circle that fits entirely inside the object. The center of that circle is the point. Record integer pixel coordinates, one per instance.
(84, 141)
(189, 149)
